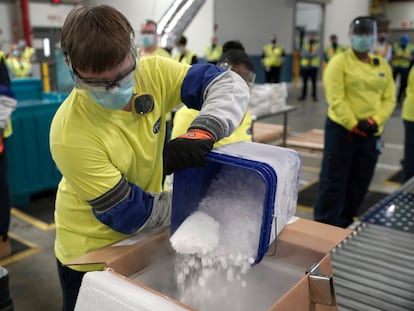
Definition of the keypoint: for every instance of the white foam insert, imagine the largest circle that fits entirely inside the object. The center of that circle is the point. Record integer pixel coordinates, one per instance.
(105, 291)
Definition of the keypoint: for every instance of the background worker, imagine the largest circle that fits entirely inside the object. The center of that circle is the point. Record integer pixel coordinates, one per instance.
(407, 115)
(19, 66)
(383, 47)
(309, 66)
(148, 43)
(333, 49)
(402, 56)
(239, 62)
(27, 52)
(272, 60)
(183, 55)
(7, 105)
(213, 51)
(107, 137)
(360, 93)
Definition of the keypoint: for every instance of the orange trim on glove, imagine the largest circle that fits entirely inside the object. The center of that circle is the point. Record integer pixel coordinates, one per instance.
(371, 121)
(1, 144)
(198, 134)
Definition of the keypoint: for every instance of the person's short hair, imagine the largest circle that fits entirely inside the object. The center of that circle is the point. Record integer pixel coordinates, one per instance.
(233, 45)
(150, 22)
(182, 41)
(96, 37)
(235, 57)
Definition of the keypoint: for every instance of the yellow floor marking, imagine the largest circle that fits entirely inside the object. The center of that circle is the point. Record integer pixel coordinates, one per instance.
(33, 249)
(32, 220)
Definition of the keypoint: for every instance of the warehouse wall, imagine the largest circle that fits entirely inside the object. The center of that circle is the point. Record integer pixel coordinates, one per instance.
(338, 16)
(252, 22)
(401, 15)
(199, 30)
(6, 20)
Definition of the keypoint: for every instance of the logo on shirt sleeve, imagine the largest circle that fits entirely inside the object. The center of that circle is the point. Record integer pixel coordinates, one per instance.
(156, 127)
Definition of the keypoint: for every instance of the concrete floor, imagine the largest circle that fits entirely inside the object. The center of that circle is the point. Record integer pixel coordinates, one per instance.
(33, 280)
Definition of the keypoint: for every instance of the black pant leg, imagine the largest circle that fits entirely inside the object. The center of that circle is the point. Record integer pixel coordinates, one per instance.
(4, 197)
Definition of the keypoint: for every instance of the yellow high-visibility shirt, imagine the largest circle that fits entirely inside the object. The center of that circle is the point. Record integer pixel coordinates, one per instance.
(312, 61)
(273, 56)
(19, 68)
(213, 55)
(185, 116)
(94, 148)
(407, 112)
(356, 90)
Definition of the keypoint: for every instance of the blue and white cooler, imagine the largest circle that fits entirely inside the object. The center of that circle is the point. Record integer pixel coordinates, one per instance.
(249, 189)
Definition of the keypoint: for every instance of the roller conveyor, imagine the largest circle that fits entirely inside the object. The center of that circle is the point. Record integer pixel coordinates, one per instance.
(374, 266)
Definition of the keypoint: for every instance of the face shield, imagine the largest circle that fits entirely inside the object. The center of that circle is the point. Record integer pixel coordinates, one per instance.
(363, 34)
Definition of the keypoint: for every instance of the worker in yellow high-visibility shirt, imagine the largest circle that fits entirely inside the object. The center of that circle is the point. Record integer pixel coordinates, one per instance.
(213, 51)
(19, 66)
(333, 49)
(383, 48)
(148, 43)
(272, 60)
(183, 55)
(402, 56)
(309, 65)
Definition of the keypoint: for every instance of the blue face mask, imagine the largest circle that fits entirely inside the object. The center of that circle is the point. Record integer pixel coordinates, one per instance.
(113, 99)
(16, 53)
(21, 44)
(147, 40)
(361, 43)
(179, 50)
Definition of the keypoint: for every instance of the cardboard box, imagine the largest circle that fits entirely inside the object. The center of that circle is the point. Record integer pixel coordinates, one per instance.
(301, 245)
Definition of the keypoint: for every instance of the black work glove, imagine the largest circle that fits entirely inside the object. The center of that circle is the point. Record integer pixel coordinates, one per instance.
(188, 150)
(368, 126)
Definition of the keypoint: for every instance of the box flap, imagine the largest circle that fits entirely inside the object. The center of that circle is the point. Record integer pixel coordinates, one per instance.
(298, 298)
(127, 259)
(314, 235)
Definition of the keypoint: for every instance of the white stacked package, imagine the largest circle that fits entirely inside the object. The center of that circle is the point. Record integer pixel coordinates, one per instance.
(267, 98)
(105, 291)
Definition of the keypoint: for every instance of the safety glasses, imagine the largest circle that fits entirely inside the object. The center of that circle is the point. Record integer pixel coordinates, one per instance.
(248, 75)
(88, 84)
(107, 85)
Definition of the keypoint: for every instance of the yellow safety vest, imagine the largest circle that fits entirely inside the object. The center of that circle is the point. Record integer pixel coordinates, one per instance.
(399, 52)
(213, 54)
(331, 52)
(8, 130)
(28, 53)
(312, 61)
(382, 50)
(273, 55)
(188, 57)
(19, 68)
